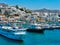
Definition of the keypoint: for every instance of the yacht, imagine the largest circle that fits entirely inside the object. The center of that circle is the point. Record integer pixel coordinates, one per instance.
(35, 27)
(15, 33)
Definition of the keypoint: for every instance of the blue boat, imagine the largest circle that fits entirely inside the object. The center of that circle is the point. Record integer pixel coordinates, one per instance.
(15, 33)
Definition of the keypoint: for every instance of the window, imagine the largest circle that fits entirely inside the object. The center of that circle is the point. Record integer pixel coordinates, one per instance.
(16, 15)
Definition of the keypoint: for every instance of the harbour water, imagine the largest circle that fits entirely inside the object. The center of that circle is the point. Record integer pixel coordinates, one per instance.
(49, 37)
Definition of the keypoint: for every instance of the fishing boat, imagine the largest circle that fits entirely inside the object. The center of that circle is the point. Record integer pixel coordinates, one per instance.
(15, 33)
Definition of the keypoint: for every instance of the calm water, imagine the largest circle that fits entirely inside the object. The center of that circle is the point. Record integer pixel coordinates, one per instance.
(47, 38)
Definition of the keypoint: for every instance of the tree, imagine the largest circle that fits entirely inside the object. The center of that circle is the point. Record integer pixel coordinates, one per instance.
(28, 11)
(0, 11)
(17, 7)
(21, 9)
(6, 14)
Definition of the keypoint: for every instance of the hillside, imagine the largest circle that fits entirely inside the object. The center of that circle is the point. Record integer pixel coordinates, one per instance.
(47, 10)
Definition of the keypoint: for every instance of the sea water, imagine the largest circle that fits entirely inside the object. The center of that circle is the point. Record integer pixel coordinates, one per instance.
(49, 37)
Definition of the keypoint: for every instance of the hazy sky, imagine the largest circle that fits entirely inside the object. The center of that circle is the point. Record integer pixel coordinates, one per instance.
(34, 4)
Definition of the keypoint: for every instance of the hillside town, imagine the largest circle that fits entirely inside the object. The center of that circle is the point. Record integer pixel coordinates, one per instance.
(16, 13)
(29, 22)
(12, 13)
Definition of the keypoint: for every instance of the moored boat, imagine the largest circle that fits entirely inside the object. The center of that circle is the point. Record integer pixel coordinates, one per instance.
(47, 27)
(35, 28)
(15, 33)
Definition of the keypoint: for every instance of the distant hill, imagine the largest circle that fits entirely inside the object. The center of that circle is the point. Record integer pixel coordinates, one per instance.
(3, 4)
(47, 10)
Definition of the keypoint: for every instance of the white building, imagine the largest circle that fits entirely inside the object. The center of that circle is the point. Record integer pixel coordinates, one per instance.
(52, 17)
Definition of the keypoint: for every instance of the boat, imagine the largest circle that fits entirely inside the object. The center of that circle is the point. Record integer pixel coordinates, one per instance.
(15, 33)
(47, 27)
(56, 27)
(35, 28)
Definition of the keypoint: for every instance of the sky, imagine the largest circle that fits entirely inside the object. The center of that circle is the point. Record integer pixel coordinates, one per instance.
(34, 4)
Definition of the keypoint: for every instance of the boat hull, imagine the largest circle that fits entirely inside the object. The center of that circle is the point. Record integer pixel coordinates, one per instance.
(36, 30)
(11, 35)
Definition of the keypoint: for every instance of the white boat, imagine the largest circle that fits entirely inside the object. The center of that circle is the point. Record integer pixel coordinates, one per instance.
(45, 25)
(56, 27)
(15, 33)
